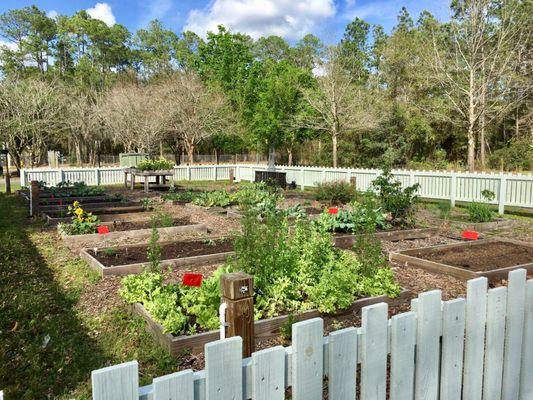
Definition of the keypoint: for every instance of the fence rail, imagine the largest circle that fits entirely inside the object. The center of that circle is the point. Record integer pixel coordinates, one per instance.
(473, 348)
(510, 189)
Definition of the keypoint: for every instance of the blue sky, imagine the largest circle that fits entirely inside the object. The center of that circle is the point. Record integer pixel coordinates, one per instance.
(288, 18)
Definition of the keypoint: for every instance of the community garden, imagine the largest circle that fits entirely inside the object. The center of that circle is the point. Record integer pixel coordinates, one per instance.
(102, 275)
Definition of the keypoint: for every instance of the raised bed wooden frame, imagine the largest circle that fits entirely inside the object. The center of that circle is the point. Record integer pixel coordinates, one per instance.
(404, 257)
(392, 236)
(497, 223)
(93, 239)
(263, 329)
(131, 269)
(112, 214)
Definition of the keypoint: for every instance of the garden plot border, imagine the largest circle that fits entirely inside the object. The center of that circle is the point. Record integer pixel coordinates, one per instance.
(220, 211)
(121, 212)
(496, 223)
(404, 258)
(86, 206)
(133, 269)
(138, 234)
(392, 236)
(263, 329)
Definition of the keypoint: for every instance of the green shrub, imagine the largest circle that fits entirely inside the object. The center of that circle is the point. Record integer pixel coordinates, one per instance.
(400, 203)
(517, 156)
(479, 212)
(162, 219)
(338, 192)
(154, 252)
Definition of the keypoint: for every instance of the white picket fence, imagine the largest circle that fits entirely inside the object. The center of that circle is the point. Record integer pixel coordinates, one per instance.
(478, 348)
(509, 189)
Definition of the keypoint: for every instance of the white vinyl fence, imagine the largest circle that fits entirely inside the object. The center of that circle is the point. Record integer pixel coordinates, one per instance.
(481, 347)
(510, 189)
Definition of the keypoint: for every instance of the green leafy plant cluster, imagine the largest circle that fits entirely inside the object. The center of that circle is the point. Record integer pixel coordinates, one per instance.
(83, 222)
(337, 192)
(179, 309)
(397, 201)
(186, 196)
(481, 212)
(73, 189)
(361, 217)
(295, 267)
(160, 164)
(445, 209)
(254, 195)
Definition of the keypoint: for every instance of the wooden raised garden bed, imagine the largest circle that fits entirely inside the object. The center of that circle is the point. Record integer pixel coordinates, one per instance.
(104, 214)
(347, 241)
(263, 329)
(86, 206)
(127, 260)
(210, 210)
(497, 223)
(94, 239)
(493, 258)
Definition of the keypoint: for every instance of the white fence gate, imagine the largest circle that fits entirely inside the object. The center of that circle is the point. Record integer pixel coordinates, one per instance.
(509, 189)
(476, 348)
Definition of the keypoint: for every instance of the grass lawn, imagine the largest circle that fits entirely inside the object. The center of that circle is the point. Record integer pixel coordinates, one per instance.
(49, 343)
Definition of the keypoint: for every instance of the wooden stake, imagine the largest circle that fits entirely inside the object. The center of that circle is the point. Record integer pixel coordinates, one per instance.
(35, 198)
(231, 176)
(353, 181)
(237, 292)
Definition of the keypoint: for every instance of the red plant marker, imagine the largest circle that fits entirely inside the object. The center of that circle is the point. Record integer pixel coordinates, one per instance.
(102, 229)
(333, 210)
(190, 279)
(470, 235)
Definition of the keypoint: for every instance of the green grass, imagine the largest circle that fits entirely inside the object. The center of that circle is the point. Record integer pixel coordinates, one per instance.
(49, 344)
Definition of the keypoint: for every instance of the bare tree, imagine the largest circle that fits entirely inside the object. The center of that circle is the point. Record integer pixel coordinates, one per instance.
(32, 113)
(131, 114)
(476, 67)
(337, 105)
(190, 112)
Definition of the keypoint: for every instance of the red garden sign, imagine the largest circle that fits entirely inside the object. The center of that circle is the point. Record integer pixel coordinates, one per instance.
(470, 235)
(333, 210)
(102, 229)
(191, 279)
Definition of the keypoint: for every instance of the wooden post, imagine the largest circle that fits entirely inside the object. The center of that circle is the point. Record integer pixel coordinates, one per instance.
(353, 181)
(34, 198)
(237, 292)
(231, 176)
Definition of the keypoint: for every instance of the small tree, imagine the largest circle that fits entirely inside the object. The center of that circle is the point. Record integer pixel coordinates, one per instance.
(189, 112)
(32, 113)
(130, 113)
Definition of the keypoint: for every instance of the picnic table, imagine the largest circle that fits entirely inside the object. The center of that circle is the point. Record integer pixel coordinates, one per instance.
(159, 176)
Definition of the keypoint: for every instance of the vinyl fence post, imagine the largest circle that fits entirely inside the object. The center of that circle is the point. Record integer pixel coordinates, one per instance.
(97, 176)
(453, 188)
(237, 292)
(215, 170)
(502, 195)
(302, 173)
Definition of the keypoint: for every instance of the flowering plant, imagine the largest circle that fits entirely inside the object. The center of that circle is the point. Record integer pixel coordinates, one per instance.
(83, 222)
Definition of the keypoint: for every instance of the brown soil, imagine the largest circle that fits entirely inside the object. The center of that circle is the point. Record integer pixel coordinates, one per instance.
(121, 226)
(481, 257)
(169, 251)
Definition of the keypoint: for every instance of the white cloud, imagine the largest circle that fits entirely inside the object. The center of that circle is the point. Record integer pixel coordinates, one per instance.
(155, 9)
(103, 12)
(52, 14)
(10, 45)
(291, 19)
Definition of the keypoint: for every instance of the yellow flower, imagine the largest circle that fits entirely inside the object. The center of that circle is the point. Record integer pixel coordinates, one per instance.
(79, 212)
(76, 204)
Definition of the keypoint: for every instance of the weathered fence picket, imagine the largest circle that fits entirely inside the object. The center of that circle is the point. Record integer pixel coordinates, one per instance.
(427, 346)
(509, 189)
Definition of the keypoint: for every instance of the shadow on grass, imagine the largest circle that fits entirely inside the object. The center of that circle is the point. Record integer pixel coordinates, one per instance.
(45, 351)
